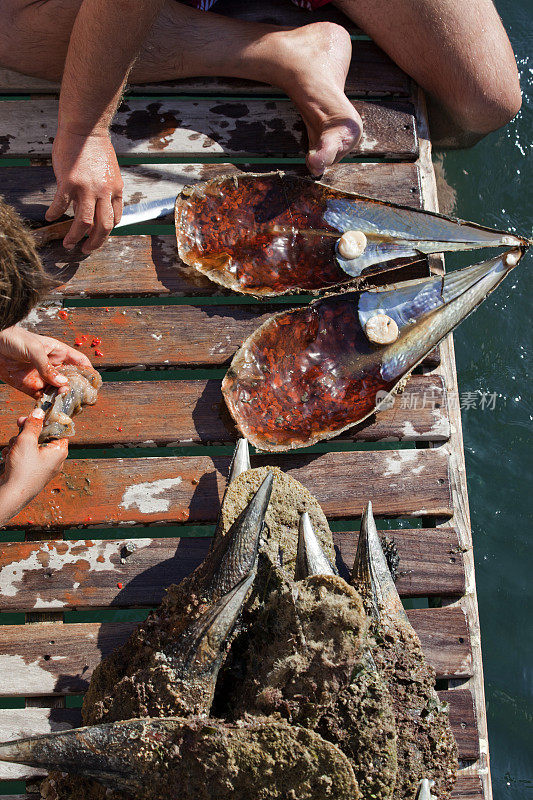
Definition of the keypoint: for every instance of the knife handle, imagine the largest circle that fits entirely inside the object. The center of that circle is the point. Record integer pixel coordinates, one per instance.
(49, 233)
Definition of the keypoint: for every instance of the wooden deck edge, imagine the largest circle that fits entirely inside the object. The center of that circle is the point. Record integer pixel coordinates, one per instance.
(466, 788)
(455, 449)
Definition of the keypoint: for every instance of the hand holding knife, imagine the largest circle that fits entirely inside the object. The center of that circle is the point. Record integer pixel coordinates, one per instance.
(132, 214)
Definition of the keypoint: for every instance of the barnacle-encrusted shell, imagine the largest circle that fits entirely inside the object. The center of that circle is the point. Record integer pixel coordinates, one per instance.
(288, 501)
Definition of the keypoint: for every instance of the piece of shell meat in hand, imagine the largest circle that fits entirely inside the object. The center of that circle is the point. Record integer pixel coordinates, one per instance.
(83, 386)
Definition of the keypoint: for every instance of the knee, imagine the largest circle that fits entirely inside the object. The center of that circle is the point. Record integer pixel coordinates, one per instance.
(491, 104)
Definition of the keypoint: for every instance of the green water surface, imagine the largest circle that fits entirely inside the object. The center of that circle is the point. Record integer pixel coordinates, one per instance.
(493, 351)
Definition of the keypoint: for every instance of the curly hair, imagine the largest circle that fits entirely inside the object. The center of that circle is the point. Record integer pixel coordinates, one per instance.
(23, 280)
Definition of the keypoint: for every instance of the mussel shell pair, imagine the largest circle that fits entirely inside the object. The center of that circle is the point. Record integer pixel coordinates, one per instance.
(311, 373)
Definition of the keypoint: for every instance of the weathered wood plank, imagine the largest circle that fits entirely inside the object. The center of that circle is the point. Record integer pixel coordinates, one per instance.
(19, 723)
(468, 787)
(31, 189)
(126, 266)
(87, 573)
(371, 74)
(156, 336)
(185, 127)
(431, 563)
(445, 638)
(147, 490)
(59, 659)
(161, 336)
(137, 266)
(463, 721)
(194, 413)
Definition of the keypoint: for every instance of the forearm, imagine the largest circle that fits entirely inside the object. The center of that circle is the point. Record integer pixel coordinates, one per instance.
(12, 500)
(105, 41)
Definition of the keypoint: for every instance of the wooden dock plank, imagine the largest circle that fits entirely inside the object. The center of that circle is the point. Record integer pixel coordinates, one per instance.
(156, 336)
(18, 723)
(463, 721)
(371, 74)
(466, 788)
(185, 127)
(137, 266)
(58, 659)
(126, 266)
(194, 413)
(445, 638)
(431, 562)
(31, 189)
(178, 489)
(86, 573)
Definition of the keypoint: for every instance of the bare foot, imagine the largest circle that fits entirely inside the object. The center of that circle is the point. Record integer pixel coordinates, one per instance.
(310, 64)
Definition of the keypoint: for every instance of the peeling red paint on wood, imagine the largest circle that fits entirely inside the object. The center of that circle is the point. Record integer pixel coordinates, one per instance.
(195, 412)
(87, 573)
(147, 490)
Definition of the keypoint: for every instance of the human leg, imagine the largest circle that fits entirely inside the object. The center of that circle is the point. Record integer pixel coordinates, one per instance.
(308, 63)
(457, 51)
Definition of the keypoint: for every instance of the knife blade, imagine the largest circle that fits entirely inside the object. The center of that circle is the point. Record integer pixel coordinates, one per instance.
(131, 214)
(143, 212)
(47, 400)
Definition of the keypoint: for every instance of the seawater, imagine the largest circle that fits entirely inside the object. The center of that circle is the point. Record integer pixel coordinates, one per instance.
(492, 182)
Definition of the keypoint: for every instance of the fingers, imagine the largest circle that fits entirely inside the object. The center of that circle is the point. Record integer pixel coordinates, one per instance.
(32, 427)
(84, 211)
(60, 353)
(58, 206)
(117, 204)
(59, 446)
(104, 220)
(75, 357)
(38, 356)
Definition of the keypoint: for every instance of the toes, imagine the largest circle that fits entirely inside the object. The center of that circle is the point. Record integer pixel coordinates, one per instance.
(333, 144)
